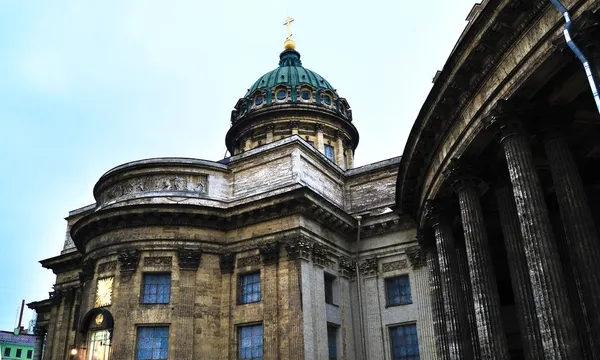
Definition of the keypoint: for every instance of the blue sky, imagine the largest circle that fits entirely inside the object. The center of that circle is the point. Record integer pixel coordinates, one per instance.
(88, 85)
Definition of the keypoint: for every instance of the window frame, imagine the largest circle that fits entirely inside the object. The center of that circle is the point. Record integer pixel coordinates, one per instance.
(7, 351)
(29, 354)
(391, 329)
(240, 291)
(143, 288)
(332, 279)
(18, 353)
(239, 339)
(336, 329)
(387, 287)
(325, 147)
(154, 326)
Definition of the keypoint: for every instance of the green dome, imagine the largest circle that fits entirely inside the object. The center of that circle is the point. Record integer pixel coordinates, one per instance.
(290, 73)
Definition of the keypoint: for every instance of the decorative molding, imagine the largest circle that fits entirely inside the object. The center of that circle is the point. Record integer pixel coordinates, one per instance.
(107, 266)
(129, 260)
(394, 265)
(270, 253)
(294, 124)
(460, 175)
(320, 255)
(248, 261)
(189, 259)
(417, 257)
(159, 261)
(347, 267)
(299, 248)
(368, 267)
(227, 263)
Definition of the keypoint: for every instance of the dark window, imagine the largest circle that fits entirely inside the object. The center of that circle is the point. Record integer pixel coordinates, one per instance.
(398, 291)
(332, 341)
(251, 342)
(250, 288)
(405, 345)
(29, 354)
(281, 94)
(157, 288)
(258, 100)
(305, 95)
(311, 143)
(327, 99)
(153, 343)
(18, 353)
(329, 280)
(6, 351)
(329, 152)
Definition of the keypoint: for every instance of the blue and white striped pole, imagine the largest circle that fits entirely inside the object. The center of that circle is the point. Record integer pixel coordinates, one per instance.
(575, 49)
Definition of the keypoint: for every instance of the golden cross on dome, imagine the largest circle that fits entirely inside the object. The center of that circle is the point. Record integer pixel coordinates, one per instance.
(288, 22)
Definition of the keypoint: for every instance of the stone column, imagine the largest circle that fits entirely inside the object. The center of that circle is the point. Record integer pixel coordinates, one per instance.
(457, 325)
(320, 144)
(519, 273)
(269, 135)
(189, 261)
(40, 336)
(270, 259)
(465, 282)
(580, 230)
(349, 155)
(421, 284)
(437, 304)
(559, 337)
(295, 127)
(492, 341)
(339, 152)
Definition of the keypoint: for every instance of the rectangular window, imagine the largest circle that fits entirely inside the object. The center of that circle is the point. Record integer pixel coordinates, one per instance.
(329, 283)
(332, 341)
(153, 343)
(157, 289)
(29, 354)
(251, 342)
(398, 291)
(6, 351)
(311, 143)
(329, 152)
(405, 345)
(19, 351)
(250, 288)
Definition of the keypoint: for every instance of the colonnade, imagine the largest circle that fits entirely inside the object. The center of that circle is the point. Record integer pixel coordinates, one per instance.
(464, 294)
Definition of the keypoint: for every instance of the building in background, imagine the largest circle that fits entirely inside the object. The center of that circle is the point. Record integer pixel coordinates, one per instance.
(16, 345)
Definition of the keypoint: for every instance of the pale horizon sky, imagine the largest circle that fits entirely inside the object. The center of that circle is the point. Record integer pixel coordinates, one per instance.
(87, 86)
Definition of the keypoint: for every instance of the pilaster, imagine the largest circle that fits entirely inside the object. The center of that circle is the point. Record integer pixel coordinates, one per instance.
(437, 304)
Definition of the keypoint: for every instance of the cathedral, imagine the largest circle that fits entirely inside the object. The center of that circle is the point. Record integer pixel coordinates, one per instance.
(479, 242)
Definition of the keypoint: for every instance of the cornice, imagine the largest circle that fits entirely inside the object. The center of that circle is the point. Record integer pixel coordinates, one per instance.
(466, 69)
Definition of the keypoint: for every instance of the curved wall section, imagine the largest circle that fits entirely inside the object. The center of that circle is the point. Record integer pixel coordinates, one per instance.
(160, 178)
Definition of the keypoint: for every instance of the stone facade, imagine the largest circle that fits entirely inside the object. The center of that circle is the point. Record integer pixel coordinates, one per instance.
(283, 210)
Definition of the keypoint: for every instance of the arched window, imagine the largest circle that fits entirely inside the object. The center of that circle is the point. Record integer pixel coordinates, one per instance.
(97, 328)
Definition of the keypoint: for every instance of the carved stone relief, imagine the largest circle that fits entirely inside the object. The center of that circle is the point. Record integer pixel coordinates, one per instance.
(270, 253)
(158, 261)
(248, 261)
(394, 265)
(189, 259)
(129, 260)
(227, 262)
(368, 267)
(107, 266)
(197, 184)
